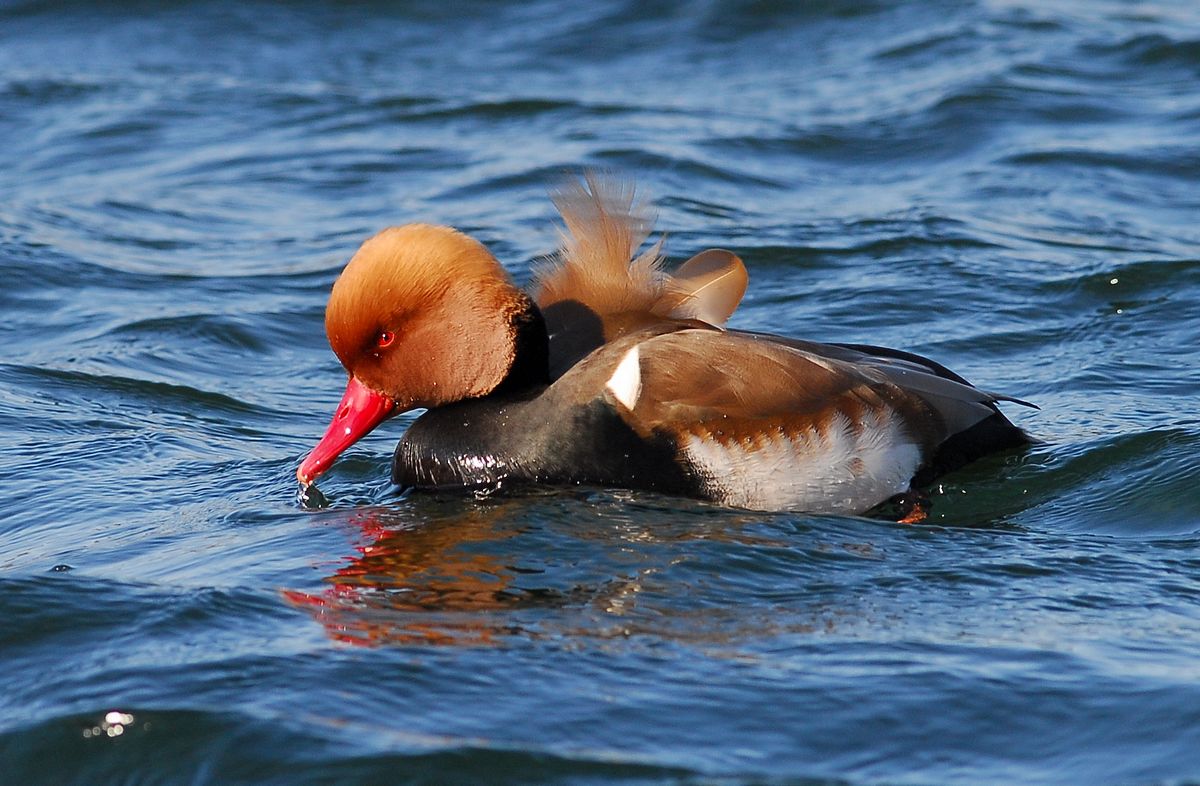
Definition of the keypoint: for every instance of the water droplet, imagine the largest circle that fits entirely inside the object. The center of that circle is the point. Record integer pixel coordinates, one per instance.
(311, 498)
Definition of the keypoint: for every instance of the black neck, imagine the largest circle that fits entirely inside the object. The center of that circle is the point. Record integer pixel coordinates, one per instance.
(530, 366)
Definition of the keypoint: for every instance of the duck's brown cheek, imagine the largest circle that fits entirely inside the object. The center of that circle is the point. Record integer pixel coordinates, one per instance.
(385, 370)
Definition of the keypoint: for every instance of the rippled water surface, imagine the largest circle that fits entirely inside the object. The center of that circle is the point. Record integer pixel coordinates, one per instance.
(1012, 188)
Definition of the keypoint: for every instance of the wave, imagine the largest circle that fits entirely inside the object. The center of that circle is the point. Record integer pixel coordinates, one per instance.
(166, 745)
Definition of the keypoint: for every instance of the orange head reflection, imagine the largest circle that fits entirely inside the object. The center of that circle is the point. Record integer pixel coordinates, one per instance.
(433, 583)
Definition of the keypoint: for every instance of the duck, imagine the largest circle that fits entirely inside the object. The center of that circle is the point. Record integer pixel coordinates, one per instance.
(613, 372)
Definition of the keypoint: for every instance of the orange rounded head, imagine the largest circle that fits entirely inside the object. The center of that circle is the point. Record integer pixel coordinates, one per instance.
(421, 316)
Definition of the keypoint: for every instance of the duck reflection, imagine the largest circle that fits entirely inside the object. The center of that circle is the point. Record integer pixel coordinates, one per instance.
(422, 577)
(455, 572)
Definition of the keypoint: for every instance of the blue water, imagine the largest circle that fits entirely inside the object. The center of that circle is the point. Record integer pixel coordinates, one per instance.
(1012, 188)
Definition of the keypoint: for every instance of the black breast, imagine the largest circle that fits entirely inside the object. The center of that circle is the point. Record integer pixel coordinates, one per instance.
(493, 442)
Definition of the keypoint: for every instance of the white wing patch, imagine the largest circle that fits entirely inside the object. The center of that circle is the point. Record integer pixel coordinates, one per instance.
(626, 382)
(838, 470)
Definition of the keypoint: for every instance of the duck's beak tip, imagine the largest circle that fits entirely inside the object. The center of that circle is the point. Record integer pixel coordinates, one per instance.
(360, 410)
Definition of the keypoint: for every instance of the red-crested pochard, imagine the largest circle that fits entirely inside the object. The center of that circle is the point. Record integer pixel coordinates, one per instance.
(617, 373)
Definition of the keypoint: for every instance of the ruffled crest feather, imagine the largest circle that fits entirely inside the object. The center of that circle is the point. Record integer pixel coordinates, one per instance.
(606, 224)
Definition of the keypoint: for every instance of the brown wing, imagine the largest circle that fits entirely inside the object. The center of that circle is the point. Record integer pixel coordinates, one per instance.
(746, 384)
(770, 424)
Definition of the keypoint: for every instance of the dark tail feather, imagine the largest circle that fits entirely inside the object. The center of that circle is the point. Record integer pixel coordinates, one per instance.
(989, 435)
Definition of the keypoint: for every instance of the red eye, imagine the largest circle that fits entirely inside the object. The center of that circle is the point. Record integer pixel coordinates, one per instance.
(385, 339)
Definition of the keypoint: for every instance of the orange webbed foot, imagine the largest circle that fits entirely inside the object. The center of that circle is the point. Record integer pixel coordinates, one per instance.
(913, 507)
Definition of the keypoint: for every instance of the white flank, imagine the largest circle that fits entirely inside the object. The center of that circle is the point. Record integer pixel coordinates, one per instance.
(834, 472)
(626, 382)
